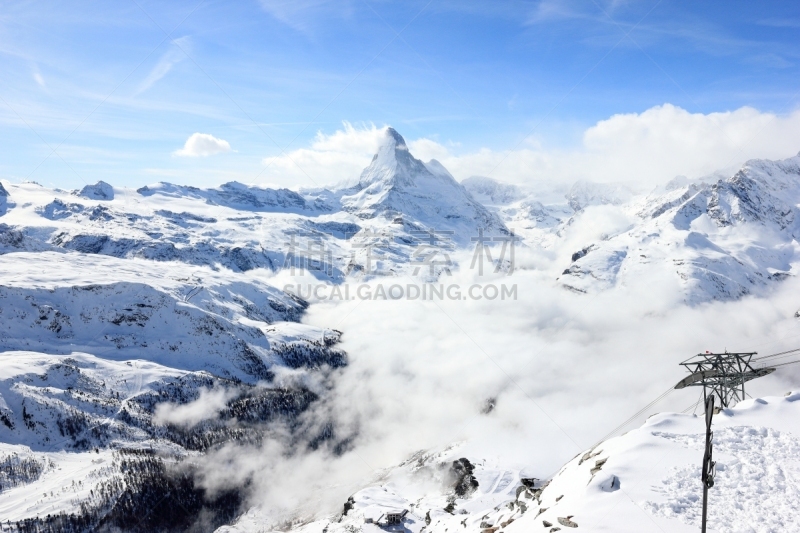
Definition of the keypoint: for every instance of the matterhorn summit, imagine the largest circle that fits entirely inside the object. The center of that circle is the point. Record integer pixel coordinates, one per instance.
(396, 184)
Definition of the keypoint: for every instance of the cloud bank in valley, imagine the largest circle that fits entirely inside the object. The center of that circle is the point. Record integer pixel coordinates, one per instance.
(642, 149)
(560, 369)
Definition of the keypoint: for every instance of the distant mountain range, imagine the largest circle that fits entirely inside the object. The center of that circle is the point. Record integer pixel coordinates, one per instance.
(115, 301)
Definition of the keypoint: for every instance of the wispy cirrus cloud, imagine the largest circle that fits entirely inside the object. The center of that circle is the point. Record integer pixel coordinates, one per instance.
(549, 10)
(301, 14)
(37, 77)
(174, 55)
(780, 22)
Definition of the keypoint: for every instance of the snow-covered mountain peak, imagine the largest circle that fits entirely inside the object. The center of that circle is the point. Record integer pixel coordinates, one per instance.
(393, 165)
(3, 200)
(584, 193)
(397, 184)
(99, 191)
(492, 191)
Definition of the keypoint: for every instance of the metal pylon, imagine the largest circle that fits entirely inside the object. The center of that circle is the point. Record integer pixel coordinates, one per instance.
(722, 375)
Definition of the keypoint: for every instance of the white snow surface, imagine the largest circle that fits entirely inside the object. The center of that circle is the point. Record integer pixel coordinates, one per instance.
(647, 480)
(723, 240)
(113, 300)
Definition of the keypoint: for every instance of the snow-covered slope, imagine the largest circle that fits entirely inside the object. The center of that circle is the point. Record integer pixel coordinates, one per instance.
(116, 302)
(723, 240)
(91, 346)
(647, 480)
(140, 330)
(180, 316)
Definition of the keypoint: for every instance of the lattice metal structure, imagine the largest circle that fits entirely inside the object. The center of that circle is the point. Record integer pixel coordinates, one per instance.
(722, 374)
(709, 470)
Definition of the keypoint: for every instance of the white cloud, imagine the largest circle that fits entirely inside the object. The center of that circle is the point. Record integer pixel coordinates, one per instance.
(666, 140)
(37, 77)
(641, 149)
(564, 369)
(333, 158)
(171, 57)
(203, 144)
(206, 407)
(644, 148)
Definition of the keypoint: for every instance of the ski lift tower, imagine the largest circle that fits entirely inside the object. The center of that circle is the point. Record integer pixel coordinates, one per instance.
(722, 374)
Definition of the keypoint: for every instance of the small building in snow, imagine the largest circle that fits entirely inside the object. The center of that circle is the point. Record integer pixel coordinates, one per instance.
(384, 517)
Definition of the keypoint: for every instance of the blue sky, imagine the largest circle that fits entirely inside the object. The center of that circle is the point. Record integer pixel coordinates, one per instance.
(118, 88)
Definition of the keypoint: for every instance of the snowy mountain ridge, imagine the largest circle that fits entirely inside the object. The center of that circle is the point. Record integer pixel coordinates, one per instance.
(114, 302)
(117, 303)
(724, 240)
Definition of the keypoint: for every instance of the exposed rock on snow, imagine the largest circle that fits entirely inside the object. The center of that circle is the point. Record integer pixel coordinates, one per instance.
(99, 191)
(465, 483)
(238, 196)
(567, 522)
